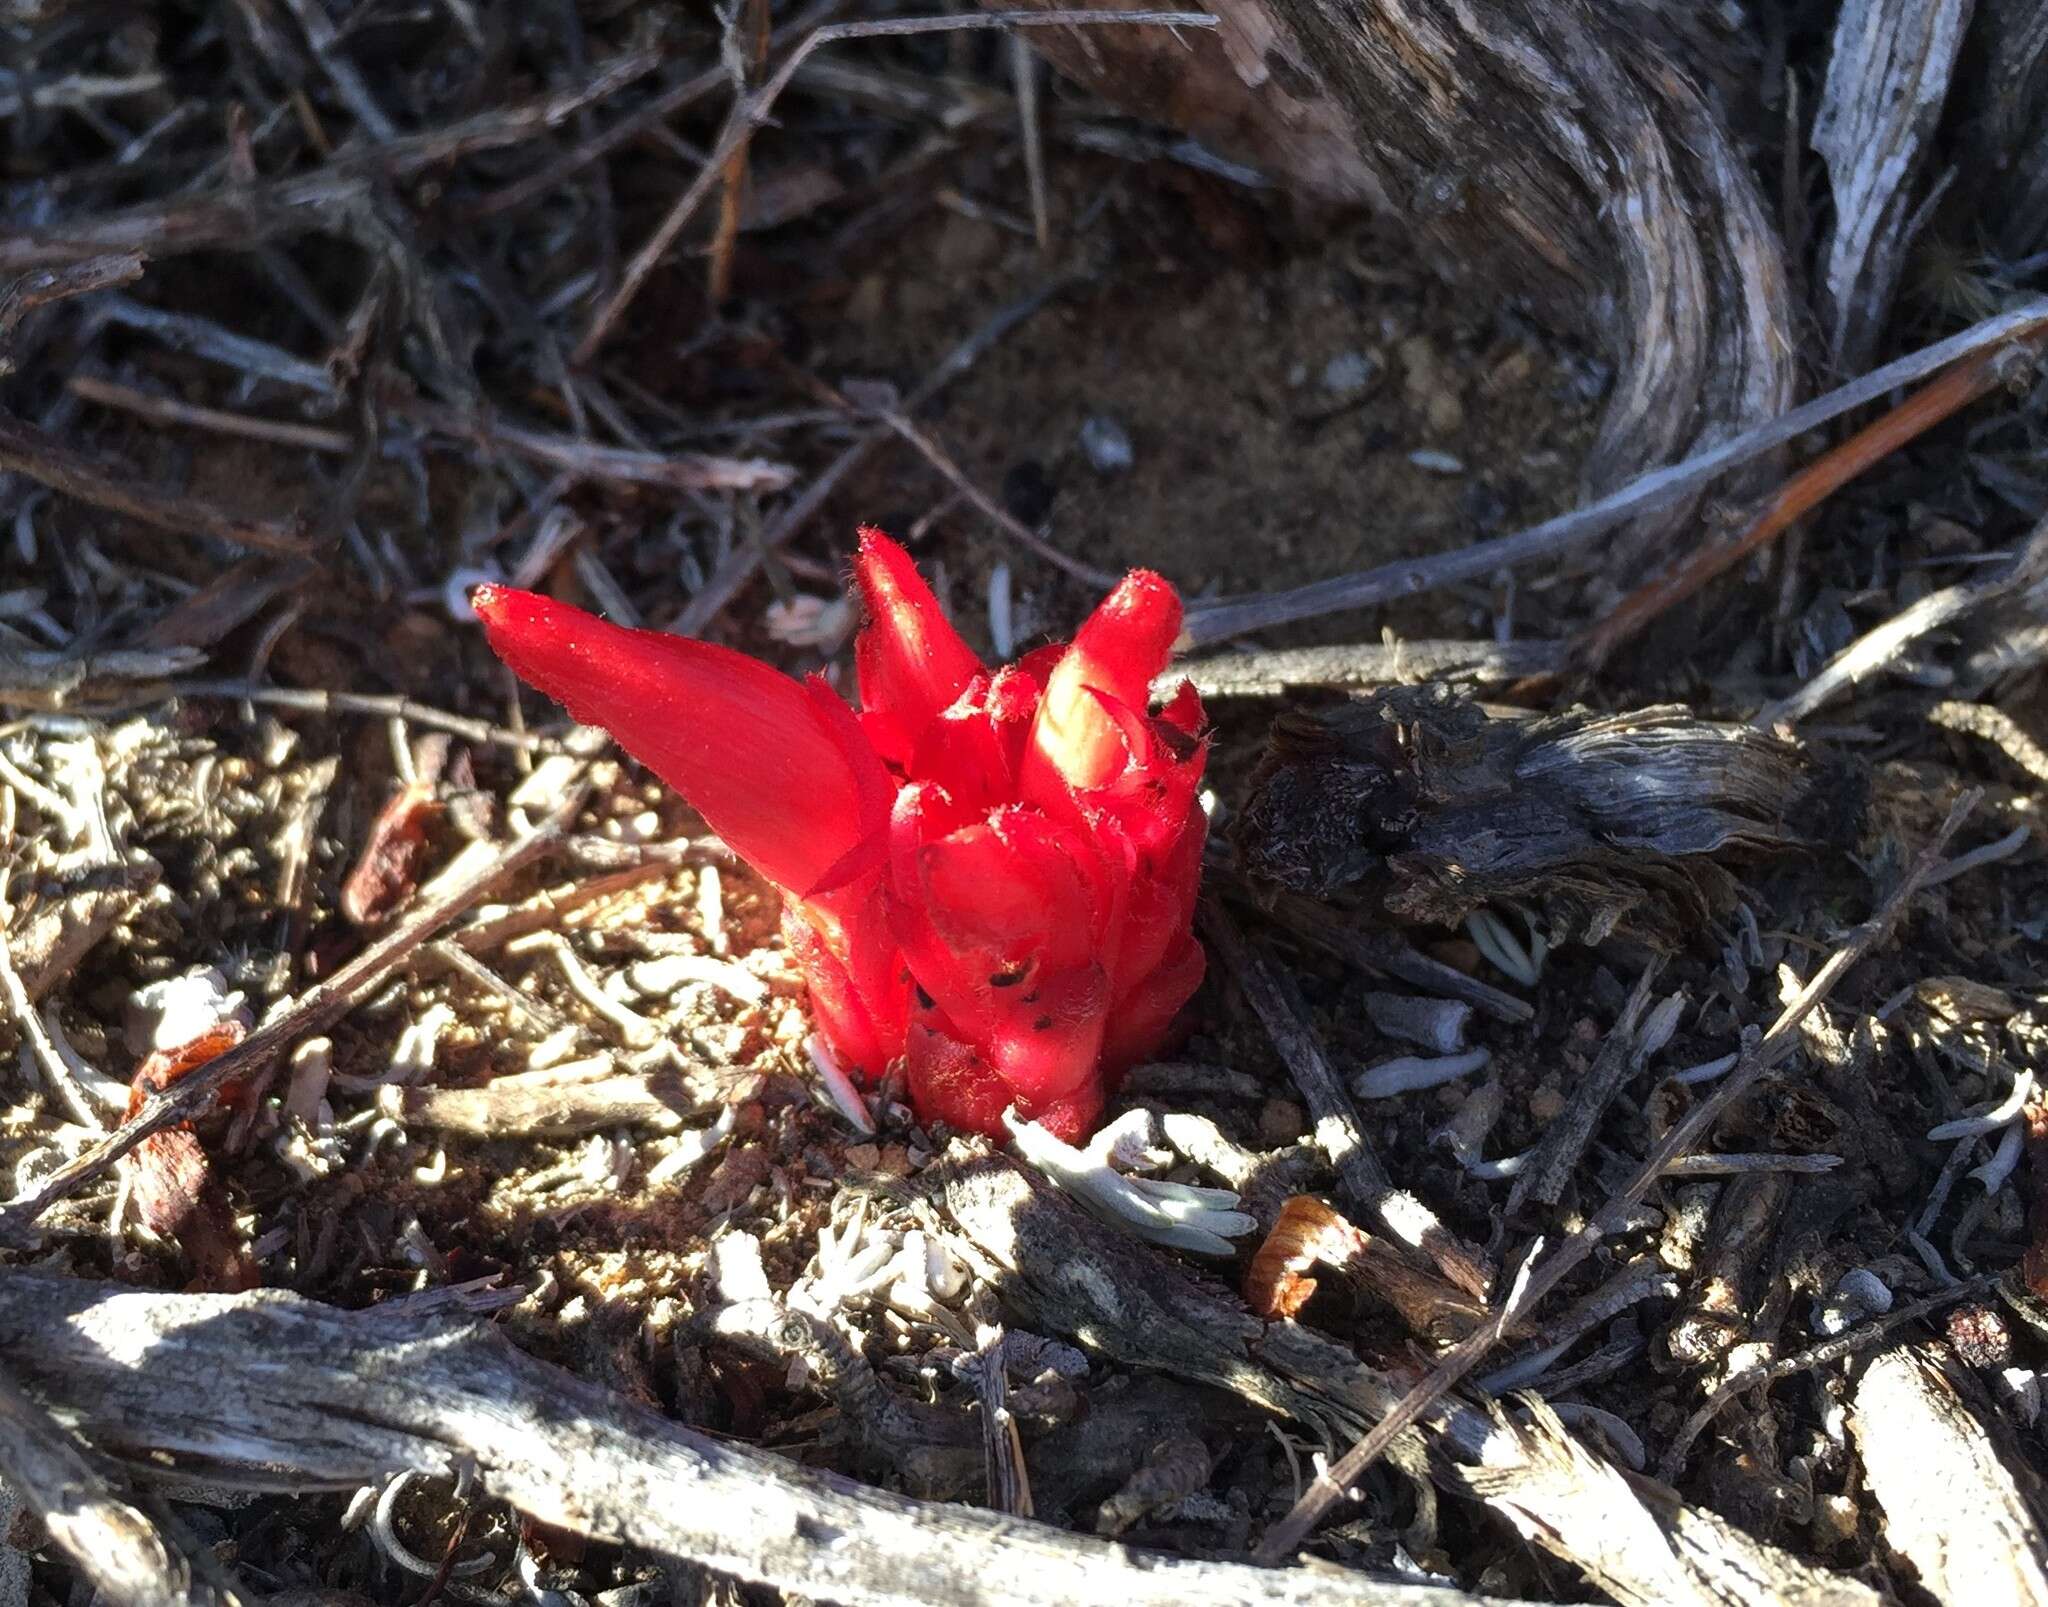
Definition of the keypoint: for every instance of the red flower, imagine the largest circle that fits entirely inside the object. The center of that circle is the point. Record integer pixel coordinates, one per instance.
(993, 874)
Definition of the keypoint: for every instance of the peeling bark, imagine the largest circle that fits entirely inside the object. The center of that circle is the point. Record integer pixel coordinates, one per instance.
(1888, 79)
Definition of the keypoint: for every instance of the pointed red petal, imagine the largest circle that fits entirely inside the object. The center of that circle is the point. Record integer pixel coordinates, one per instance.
(1123, 645)
(968, 751)
(1150, 796)
(1071, 1117)
(962, 991)
(1046, 1041)
(1183, 711)
(912, 664)
(791, 791)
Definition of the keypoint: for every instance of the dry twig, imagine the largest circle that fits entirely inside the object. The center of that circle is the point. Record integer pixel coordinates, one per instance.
(1339, 1132)
(990, 509)
(1672, 1462)
(1979, 375)
(725, 583)
(252, 214)
(169, 410)
(752, 111)
(40, 456)
(1876, 648)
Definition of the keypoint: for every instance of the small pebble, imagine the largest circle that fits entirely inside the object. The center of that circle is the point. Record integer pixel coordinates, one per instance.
(1545, 1103)
(1587, 378)
(1436, 462)
(1431, 385)
(869, 301)
(1106, 444)
(894, 1161)
(1859, 1294)
(1347, 373)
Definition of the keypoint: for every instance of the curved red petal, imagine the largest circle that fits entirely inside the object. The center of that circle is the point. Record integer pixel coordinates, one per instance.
(911, 663)
(1046, 1038)
(789, 791)
(967, 751)
(950, 1083)
(871, 780)
(841, 1014)
(1150, 797)
(863, 859)
(1144, 1018)
(1161, 908)
(1012, 703)
(1014, 890)
(961, 990)
(1123, 645)
(1037, 665)
(1071, 1117)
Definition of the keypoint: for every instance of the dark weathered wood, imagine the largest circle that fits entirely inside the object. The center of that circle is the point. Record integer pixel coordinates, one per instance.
(1271, 671)
(112, 1543)
(365, 1394)
(2008, 103)
(1420, 802)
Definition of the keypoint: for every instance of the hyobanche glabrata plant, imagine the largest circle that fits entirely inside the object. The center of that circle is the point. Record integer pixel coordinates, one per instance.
(989, 875)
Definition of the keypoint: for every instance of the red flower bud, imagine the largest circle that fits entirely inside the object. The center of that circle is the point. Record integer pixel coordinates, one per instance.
(989, 876)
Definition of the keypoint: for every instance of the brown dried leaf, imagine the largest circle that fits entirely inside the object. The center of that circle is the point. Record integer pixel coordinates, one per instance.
(388, 870)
